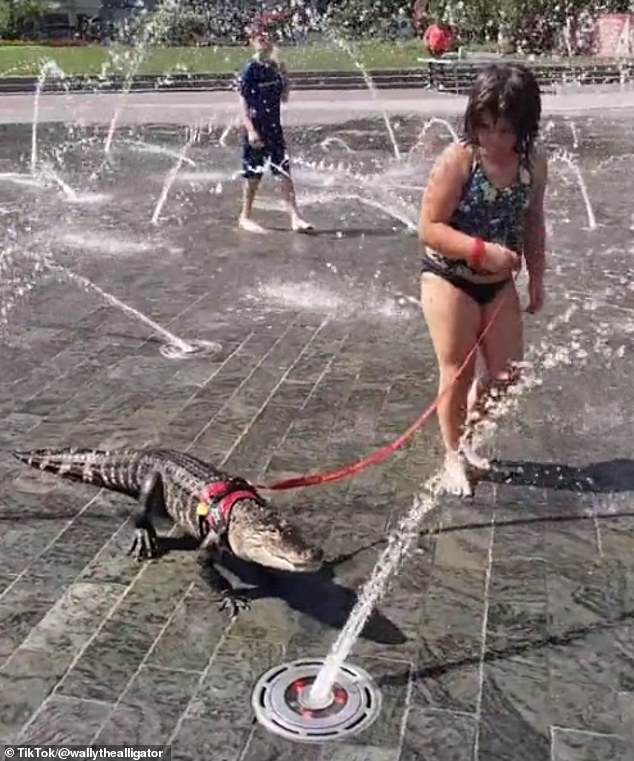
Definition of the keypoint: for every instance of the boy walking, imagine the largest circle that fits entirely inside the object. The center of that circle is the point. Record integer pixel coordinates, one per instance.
(263, 87)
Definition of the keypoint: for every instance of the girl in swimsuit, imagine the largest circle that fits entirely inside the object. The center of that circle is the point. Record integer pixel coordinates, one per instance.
(482, 211)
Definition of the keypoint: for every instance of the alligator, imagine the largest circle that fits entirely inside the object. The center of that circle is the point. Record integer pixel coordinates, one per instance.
(224, 513)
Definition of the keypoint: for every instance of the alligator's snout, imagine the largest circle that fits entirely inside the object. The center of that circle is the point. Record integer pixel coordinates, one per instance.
(285, 550)
(308, 561)
(261, 536)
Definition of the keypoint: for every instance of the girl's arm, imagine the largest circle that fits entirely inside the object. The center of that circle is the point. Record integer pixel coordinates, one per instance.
(440, 199)
(441, 196)
(535, 226)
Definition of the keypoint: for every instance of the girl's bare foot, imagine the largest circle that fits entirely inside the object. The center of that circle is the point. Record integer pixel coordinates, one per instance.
(473, 458)
(246, 223)
(455, 478)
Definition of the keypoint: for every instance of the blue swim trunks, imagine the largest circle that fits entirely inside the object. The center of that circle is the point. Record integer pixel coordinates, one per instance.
(262, 85)
(254, 160)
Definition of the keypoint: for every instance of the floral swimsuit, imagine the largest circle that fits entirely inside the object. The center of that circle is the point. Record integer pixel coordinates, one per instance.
(493, 214)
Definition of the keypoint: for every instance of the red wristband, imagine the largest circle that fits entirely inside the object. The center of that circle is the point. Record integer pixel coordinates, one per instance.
(477, 252)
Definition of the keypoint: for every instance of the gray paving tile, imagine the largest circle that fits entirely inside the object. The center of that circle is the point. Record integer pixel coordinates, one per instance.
(65, 721)
(623, 643)
(226, 689)
(595, 708)
(17, 619)
(30, 528)
(587, 595)
(21, 422)
(112, 657)
(518, 686)
(330, 340)
(108, 663)
(468, 548)
(347, 752)
(573, 745)
(625, 702)
(149, 709)
(202, 738)
(25, 682)
(6, 580)
(266, 746)
(447, 678)
(268, 429)
(71, 621)
(438, 736)
(111, 564)
(518, 580)
(191, 636)
(455, 601)
(72, 551)
(515, 625)
(510, 737)
(518, 538)
(617, 535)
(392, 679)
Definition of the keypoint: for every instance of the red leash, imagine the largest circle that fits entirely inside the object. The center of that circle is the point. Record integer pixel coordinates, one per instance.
(380, 454)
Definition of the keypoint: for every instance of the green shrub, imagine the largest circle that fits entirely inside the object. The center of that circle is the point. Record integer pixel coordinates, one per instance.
(5, 17)
(353, 19)
(19, 17)
(531, 25)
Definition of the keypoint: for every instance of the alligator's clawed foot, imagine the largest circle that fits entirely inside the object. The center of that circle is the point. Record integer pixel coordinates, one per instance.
(234, 603)
(145, 543)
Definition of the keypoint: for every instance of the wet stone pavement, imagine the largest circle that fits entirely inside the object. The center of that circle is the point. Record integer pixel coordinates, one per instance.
(508, 633)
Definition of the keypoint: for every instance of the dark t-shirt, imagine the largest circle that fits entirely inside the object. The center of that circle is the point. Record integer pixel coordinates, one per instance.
(261, 85)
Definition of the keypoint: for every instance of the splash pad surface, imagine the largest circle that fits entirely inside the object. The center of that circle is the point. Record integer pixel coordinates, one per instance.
(506, 628)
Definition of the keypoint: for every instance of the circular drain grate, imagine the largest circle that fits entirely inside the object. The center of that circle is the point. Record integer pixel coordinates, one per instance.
(280, 702)
(194, 349)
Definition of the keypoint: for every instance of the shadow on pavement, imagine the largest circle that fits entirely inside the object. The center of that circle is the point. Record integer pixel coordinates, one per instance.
(607, 476)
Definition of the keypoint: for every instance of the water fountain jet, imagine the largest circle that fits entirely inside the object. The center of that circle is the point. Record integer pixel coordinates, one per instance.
(565, 158)
(347, 48)
(429, 123)
(284, 704)
(174, 348)
(49, 67)
(171, 175)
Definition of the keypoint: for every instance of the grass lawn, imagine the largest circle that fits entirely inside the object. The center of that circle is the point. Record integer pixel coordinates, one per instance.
(25, 60)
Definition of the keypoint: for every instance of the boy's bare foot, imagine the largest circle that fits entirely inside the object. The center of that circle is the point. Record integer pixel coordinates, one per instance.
(455, 479)
(246, 223)
(300, 225)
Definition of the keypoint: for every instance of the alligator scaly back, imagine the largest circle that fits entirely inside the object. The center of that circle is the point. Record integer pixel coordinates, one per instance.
(117, 470)
(192, 493)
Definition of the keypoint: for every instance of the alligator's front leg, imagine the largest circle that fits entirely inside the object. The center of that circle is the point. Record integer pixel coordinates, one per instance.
(145, 538)
(228, 597)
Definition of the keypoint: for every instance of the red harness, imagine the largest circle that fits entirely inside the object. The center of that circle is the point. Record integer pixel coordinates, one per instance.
(213, 513)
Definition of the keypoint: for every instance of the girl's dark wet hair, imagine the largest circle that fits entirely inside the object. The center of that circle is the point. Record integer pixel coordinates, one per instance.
(506, 91)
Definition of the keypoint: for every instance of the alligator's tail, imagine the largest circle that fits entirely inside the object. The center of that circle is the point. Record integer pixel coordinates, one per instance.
(116, 470)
